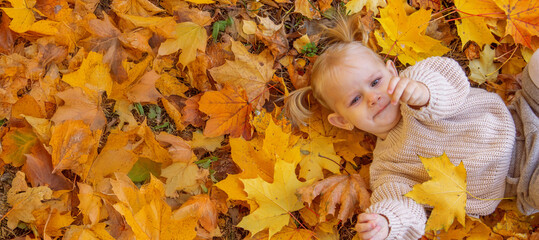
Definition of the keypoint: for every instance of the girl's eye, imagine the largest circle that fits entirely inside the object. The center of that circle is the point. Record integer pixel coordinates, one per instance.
(375, 82)
(355, 100)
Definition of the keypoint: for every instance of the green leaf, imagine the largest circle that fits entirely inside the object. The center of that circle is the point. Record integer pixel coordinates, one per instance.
(139, 108)
(220, 26)
(206, 162)
(142, 169)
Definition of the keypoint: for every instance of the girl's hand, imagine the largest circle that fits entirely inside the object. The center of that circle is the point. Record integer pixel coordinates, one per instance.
(409, 91)
(372, 226)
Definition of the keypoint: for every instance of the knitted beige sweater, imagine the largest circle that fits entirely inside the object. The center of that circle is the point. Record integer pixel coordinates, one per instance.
(468, 124)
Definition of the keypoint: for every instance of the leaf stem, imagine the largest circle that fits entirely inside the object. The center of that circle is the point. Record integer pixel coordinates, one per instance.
(489, 199)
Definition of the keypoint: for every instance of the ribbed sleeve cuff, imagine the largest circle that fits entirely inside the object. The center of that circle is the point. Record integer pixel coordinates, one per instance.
(401, 225)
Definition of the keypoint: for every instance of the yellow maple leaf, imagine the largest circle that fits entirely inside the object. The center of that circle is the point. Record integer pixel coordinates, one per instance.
(445, 191)
(404, 36)
(21, 14)
(251, 162)
(275, 200)
(257, 158)
(317, 154)
(190, 37)
(274, 140)
(473, 26)
(250, 71)
(92, 76)
(355, 6)
(474, 29)
(146, 211)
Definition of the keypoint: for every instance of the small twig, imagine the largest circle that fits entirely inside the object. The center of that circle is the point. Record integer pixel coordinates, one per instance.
(335, 163)
(507, 60)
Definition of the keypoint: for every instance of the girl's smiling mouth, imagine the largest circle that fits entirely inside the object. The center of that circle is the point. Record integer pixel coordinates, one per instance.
(381, 110)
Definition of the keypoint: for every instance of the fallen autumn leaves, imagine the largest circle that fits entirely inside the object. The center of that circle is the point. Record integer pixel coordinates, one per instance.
(115, 114)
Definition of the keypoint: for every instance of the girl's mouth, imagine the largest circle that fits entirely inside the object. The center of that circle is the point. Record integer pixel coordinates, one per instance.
(381, 109)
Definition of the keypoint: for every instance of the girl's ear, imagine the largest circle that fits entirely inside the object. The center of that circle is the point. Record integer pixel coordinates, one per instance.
(391, 67)
(338, 121)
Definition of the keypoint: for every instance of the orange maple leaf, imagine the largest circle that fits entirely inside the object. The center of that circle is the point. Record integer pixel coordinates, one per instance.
(229, 111)
(522, 19)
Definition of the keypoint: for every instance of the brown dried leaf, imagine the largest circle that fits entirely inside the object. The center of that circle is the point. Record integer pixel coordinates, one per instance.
(191, 114)
(39, 169)
(349, 191)
(427, 4)
(7, 37)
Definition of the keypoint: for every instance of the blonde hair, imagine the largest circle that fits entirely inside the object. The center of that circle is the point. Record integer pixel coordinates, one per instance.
(343, 40)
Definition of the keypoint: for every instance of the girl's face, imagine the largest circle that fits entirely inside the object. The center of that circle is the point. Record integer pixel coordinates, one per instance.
(359, 95)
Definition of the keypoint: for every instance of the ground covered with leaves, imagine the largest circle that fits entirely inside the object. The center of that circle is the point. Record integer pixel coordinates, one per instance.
(162, 119)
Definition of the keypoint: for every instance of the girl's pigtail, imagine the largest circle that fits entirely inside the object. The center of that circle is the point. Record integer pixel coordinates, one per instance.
(347, 29)
(297, 106)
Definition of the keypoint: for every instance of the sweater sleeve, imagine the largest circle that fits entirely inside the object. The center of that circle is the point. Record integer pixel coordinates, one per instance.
(447, 84)
(406, 217)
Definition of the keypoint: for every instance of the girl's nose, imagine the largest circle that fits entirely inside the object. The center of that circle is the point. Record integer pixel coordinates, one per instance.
(373, 98)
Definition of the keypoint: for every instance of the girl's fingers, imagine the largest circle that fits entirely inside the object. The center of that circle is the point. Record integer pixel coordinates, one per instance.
(371, 234)
(409, 93)
(392, 83)
(365, 217)
(399, 90)
(365, 227)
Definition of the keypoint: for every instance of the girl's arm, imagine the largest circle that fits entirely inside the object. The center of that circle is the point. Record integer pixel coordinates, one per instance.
(447, 84)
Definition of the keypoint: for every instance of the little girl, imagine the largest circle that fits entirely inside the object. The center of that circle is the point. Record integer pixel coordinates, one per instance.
(426, 110)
